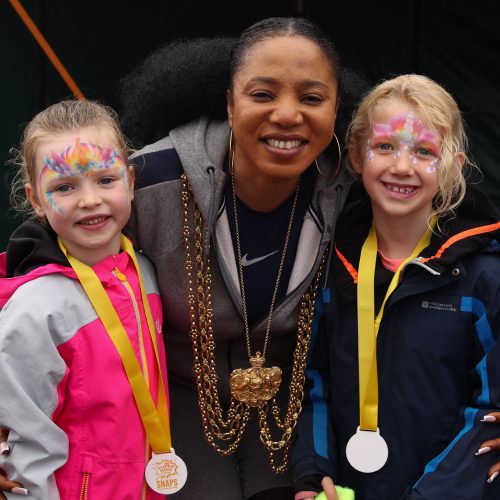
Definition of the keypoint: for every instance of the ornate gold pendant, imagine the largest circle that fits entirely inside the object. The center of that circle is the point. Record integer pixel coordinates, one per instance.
(256, 385)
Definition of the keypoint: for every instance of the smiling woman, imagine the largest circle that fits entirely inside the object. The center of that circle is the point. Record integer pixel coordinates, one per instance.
(282, 105)
(239, 260)
(237, 217)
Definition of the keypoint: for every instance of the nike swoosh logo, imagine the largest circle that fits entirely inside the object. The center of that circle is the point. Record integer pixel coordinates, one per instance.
(249, 262)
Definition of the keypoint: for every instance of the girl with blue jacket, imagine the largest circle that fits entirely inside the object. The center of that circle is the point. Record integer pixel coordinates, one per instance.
(404, 367)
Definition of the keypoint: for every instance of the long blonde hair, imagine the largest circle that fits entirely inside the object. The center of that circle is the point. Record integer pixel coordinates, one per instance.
(440, 111)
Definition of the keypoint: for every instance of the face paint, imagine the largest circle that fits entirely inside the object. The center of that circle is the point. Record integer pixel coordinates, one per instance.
(78, 159)
(406, 130)
(405, 133)
(433, 167)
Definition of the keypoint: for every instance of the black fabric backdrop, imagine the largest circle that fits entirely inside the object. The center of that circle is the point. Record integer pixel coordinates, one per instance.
(455, 43)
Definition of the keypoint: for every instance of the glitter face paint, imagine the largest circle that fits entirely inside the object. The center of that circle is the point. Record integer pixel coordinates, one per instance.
(405, 134)
(79, 158)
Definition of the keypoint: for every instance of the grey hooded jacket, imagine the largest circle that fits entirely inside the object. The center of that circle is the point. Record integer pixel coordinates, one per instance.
(199, 149)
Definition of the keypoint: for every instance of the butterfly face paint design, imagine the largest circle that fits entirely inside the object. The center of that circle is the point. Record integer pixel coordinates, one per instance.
(405, 134)
(77, 159)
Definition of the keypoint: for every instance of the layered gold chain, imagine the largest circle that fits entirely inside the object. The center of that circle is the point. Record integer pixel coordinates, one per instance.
(217, 428)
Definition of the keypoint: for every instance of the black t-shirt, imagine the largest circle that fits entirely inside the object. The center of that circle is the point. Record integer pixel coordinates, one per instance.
(262, 239)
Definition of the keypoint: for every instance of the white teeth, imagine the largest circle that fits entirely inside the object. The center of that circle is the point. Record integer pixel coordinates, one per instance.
(283, 144)
(91, 222)
(397, 189)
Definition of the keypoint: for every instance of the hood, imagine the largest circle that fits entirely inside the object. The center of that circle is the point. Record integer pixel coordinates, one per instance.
(202, 146)
(31, 246)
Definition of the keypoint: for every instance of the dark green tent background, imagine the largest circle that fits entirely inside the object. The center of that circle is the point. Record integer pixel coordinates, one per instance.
(455, 43)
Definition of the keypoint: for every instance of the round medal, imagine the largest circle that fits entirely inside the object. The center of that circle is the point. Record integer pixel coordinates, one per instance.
(166, 473)
(367, 451)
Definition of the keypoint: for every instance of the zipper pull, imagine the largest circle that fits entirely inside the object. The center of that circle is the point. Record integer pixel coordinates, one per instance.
(120, 275)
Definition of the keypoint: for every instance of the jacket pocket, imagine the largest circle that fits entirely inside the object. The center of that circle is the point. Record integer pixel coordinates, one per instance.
(106, 480)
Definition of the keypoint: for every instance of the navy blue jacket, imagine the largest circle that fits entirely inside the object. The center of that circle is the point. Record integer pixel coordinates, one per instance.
(438, 364)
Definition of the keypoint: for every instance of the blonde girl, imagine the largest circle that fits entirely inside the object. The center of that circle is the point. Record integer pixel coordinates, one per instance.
(404, 368)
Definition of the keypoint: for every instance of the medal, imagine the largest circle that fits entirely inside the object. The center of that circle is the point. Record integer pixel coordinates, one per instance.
(166, 473)
(367, 451)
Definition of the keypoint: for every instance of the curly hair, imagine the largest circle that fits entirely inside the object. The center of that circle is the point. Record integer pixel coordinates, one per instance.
(177, 83)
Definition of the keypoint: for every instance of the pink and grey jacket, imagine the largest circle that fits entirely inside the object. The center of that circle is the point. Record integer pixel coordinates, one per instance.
(75, 431)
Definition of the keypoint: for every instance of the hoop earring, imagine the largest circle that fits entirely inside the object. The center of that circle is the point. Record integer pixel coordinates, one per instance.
(338, 162)
(318, 169)
(340, 154)
(231, 152)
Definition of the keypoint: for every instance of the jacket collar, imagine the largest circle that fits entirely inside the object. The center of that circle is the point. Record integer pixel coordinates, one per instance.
(475, 226)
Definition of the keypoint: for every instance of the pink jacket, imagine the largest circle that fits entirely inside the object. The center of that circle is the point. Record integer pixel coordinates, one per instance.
(75, 429)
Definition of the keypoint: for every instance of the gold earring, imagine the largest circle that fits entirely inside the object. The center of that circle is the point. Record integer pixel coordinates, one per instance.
(340, 154)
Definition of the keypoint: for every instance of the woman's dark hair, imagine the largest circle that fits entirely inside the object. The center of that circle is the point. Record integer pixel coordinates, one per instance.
(277, 27)
(177, 83)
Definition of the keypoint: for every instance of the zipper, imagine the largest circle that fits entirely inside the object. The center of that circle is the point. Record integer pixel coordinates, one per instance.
(84, 492)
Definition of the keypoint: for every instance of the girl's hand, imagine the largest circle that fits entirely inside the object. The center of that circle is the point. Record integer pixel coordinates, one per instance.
(328, 493)
(491, 445)
(5, 484)
(329, 488)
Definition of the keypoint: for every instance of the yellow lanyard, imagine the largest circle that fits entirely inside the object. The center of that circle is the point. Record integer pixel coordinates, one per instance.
(368, 325)
(155, 420)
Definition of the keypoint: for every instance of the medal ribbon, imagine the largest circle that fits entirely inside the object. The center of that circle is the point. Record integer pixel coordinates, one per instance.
(155, 419)
(368, 325)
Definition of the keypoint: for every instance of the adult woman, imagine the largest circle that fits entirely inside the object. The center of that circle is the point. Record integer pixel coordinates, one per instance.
(255, 172)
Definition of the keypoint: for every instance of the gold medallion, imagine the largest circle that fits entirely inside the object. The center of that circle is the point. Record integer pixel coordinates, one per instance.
(256, 385)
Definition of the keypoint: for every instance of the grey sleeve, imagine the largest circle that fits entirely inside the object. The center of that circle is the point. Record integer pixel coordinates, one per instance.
(30, 371)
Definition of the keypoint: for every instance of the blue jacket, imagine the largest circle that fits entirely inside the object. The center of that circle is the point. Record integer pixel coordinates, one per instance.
(438, 364)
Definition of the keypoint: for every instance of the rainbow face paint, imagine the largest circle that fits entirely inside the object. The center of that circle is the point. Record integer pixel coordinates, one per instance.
(77, 159)
(405, 134)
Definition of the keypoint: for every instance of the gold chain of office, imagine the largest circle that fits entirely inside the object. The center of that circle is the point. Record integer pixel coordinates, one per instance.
(229, 430)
